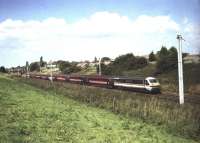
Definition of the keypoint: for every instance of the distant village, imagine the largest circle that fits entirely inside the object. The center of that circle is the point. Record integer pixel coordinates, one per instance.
(54, 65)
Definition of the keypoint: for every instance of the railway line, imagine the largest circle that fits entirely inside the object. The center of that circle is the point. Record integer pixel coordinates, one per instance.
(174, 97)
(104, 82)
(194, 99)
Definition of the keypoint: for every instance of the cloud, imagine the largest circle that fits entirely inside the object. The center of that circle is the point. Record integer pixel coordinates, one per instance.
(10, 43)
(192, 37)
(101, 34)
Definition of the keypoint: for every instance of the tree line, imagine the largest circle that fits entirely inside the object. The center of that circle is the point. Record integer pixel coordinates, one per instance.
(123, 63)
(165, 59)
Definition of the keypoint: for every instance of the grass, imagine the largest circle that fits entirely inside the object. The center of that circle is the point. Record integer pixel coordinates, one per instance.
(29, 114)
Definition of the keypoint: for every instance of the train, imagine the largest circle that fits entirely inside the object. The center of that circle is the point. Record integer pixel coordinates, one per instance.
(140, 84)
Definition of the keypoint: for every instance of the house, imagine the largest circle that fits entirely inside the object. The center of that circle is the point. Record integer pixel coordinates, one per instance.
(192, 59)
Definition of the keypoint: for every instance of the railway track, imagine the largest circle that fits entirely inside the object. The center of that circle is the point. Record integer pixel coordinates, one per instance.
(174, 97)
(165, 96)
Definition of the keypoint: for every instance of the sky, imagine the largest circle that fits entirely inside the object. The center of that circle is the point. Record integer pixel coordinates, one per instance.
(79, 30)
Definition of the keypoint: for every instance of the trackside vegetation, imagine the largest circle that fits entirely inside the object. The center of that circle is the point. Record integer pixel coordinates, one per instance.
(175, 119)
(31, 114)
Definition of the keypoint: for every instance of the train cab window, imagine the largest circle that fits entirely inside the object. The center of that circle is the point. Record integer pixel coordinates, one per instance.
(153, 81)
(146, 82)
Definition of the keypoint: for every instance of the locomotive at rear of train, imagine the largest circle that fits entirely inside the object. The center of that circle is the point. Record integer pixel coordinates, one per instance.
(148, 84)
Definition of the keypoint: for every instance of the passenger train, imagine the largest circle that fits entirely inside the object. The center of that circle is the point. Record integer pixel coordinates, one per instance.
(148, 84)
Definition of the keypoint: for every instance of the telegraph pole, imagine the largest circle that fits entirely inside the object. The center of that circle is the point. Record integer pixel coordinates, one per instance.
(27, 69)
(180, 70)
(51, 78)
(100, 66)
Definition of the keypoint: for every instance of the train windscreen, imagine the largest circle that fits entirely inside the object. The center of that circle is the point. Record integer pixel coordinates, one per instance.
(153, 81)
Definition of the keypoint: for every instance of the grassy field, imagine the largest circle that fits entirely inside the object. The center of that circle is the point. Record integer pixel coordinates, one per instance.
(30, 114)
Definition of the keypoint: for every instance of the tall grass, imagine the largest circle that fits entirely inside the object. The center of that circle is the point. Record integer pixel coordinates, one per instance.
(181, 120)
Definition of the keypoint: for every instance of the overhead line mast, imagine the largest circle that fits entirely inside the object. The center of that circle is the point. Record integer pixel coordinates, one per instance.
(180, 69)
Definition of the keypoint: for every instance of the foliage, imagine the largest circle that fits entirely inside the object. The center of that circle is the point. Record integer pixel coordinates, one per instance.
(63, 65)
(105, 59)
(42, 63)
(167, 60)
(124, 63)
(95, 59)
(3, 69)
(27, 66)
(67, 67)
(152, 57)
(141, 62)
(163, 52)
(34, 66)
(71, 69)
(106, 69)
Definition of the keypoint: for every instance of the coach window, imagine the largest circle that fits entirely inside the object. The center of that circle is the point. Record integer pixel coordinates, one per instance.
(128, 81)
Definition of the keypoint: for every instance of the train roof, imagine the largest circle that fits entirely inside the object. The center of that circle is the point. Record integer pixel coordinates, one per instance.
(133, 78)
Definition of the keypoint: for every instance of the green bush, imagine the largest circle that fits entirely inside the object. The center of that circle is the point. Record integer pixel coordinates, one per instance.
(124, 63)
(167, 60)
(35, 66)
(67, 67)
(3, 69)
(152, 57)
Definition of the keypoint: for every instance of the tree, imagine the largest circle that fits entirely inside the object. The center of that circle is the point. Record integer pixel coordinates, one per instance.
(34, 66)
(71, 69)
(167, 60)
(173, 58)
(163, 52)
(125, 62)
(3, 69)
(95, 59)
(63, 65)
(42, 63)
(108, 70)
(27, 66)
(141, 62)
(67, 67)
(152, 57)
(105, 59)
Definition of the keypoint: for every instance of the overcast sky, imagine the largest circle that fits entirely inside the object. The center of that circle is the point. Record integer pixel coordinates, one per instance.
(82, 29)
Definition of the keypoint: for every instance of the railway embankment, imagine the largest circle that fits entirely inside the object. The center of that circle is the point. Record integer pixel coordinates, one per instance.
(46, 114)
(183, 120)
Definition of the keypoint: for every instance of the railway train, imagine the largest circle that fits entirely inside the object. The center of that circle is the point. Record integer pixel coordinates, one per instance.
(146, 84)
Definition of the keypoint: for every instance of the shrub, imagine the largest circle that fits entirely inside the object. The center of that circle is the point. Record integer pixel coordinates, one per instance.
(3, 69)
(167, 60)
(152, 57)
(34, 66)
(124, 63)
